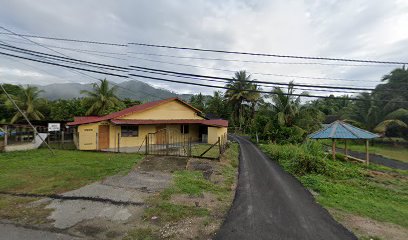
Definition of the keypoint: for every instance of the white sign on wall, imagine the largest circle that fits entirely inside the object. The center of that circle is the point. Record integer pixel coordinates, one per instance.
(53, 127)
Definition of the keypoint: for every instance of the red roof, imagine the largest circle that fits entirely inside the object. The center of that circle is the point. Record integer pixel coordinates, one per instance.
(218, 122)
(127, 111)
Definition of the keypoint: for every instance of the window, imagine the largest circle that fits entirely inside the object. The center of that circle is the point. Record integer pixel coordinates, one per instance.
(184, 129)
(130, 131)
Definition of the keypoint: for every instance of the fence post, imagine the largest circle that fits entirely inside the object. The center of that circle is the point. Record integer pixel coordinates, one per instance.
(219, 145)
(118, 142)
(5, 135)
(147, 144)
(189, 147)
(96, 141)
(62, 139)
(166, 138)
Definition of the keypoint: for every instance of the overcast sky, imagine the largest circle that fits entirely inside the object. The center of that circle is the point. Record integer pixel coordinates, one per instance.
(361, 29)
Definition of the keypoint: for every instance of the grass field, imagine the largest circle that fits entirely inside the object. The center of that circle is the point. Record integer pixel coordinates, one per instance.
(37, 171)
(375, 192)
(198, 149)
(394, 152)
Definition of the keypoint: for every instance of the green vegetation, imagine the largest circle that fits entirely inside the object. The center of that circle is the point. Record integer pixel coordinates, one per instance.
(389, 151)
(376, 192)
(194, 184)
(198, 149)
(37, 171)
(142, 234)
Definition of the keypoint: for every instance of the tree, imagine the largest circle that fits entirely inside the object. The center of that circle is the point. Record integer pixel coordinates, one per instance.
(65, 110)
(198, 101)
(216, 106)
(28, 100)
(242, 91)
(292, 120)
(102, 99)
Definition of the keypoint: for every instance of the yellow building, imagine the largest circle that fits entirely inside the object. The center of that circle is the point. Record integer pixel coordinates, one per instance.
(128, 128)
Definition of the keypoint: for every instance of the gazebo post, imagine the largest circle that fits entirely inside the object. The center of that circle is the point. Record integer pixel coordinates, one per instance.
(367, 154)
(345, 148)
(334, 148)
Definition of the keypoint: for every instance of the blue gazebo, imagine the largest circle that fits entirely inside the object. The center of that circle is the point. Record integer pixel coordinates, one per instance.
(342, 130)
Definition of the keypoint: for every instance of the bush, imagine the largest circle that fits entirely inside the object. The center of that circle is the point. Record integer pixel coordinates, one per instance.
(299, 159)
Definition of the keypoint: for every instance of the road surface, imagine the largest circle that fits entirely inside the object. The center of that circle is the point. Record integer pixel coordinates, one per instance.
(272, 204)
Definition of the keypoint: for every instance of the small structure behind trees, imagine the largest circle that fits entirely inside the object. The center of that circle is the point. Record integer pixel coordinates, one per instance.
(344, 131)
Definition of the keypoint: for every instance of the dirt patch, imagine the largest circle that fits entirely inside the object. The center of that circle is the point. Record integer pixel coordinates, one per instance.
(369, 228)
(162, 164)
(207, 200)
(190, 228)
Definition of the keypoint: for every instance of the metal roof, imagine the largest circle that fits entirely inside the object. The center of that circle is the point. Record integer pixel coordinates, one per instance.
(342, 130)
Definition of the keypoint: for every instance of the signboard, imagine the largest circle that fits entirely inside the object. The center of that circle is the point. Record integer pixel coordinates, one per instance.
(53, 127)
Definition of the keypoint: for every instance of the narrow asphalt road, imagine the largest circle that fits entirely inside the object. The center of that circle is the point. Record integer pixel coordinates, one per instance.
(272, 204)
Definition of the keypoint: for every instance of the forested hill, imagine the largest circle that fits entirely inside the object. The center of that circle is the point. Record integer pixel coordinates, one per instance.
(133, 89)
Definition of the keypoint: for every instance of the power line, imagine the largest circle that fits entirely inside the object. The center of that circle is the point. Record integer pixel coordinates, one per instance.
(233, 71)
(256, 81)
(223, 81)
(256, 61)
(189, 83)
(258, 91)
(112, 67)
(67, 39)
(93, 52)
(270, 55)
(72, 60)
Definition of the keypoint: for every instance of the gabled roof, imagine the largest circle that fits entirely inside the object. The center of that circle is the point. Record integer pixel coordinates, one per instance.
(127, 111)
(342, 130)
(216, 123)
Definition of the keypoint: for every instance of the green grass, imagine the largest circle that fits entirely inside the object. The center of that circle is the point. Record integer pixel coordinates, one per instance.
(198, 149)
(37, 171)
(142, 234)
(394, 152)
(194, 184)
(376, 192)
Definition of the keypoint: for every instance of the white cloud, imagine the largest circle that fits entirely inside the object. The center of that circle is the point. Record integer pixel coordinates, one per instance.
(364, 29)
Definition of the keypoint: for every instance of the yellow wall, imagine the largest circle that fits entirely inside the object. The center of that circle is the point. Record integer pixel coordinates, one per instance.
(214, 133)
(169, 110)
(87, 136)
(129, 141)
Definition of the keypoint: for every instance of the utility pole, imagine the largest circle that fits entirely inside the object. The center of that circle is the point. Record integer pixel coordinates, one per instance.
(26, 118)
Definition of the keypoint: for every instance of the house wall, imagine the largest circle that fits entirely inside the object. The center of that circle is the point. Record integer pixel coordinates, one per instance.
(87, 136)
(169, 110)
(115, 132)
(214, 133)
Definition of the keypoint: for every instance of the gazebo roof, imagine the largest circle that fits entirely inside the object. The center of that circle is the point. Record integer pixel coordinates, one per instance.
(342, 130)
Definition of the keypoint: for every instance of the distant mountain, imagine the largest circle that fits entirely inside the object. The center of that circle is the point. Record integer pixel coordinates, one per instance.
(131, 89)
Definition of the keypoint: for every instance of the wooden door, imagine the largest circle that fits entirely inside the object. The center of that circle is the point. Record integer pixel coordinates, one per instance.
(103, 137)
(161, 134)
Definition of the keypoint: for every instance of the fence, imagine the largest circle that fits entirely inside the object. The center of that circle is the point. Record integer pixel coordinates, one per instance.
(171, 143)
(61, 139)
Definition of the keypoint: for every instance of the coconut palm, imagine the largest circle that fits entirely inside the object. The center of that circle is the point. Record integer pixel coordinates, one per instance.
(241, 91)
(101, 99)
(28, 101)
(286, 106)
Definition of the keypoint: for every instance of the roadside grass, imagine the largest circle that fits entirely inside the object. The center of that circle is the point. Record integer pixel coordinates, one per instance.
(198, 149)
(194, 184)
(142, 234)
(396, 152)
(38, 171)
(376, 192)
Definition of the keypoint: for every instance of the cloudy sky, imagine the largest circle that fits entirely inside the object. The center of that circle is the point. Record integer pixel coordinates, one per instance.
(361, 29)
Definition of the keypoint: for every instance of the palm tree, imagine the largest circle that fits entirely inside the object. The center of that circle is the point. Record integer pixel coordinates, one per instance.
(285, 105)
(367, 114)
(101, 99)
(27, 100)
(241, 90)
